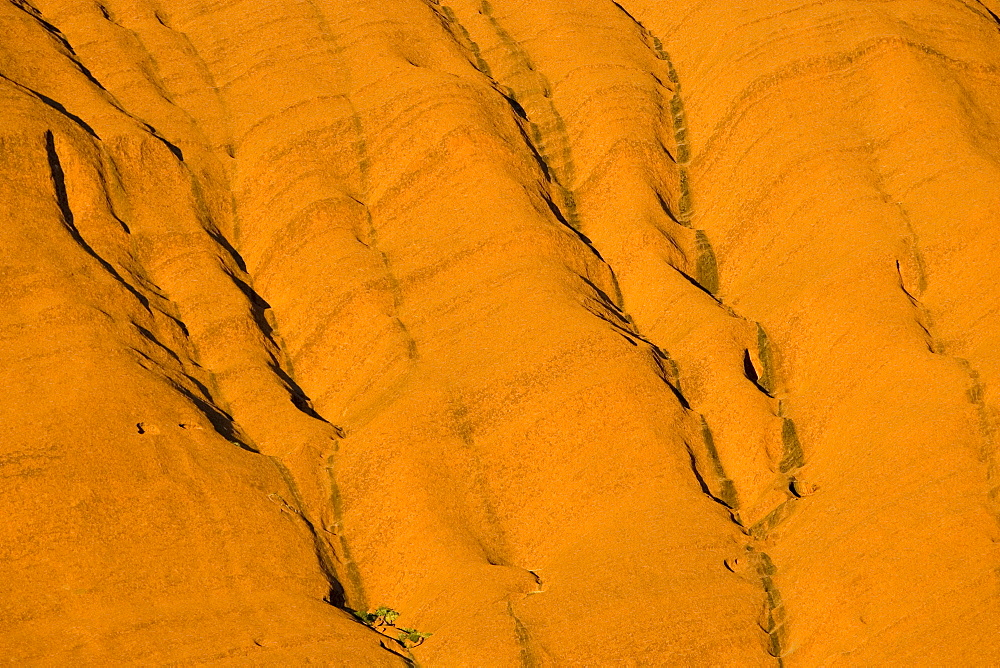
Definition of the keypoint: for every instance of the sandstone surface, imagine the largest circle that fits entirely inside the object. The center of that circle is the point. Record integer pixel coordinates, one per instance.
(580, 332)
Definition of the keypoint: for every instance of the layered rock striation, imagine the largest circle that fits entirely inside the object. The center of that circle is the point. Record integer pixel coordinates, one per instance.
(580, 332)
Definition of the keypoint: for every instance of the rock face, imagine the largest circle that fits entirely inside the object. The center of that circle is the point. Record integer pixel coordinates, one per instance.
(582, 333)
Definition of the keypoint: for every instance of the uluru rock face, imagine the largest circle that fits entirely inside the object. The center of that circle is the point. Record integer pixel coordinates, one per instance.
(580, 332)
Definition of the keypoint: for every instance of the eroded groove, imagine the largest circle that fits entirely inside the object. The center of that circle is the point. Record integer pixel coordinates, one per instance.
(727, 490)
(454, 26)
(973, 393)
(69, 221)
(708, 278)
(528, 659)
(993, 15)
(722, 487)
(52, 104)
(502, 399)
(57, 35)
(533, 92)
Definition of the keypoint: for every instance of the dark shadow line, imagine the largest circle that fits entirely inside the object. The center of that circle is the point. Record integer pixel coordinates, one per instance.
(992, 13)
(616, 326)
(677, 393)
(57, 34)
(605, 298)
(539, 160)
(751, 373)
(512, 101)
(200, 385)
(55, 105)
(698, 285)
(297, 394)
(170, 147)
(180, 323)
(666, 208)
(221, 421)
(218, 238)
(701, 480)
(626, 12)
(62, 199)
(258, 307)
(562, 219)
(152, 338)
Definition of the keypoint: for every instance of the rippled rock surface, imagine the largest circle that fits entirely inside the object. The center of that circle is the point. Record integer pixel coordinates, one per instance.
(580, 332)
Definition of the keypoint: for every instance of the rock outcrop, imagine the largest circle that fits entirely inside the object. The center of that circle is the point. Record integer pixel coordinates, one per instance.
(580, 332)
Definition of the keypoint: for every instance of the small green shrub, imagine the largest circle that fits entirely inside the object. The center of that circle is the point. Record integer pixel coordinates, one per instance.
(411, 637)
(383, 618)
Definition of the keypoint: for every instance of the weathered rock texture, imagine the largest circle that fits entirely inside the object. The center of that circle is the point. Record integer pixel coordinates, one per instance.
(581, 332)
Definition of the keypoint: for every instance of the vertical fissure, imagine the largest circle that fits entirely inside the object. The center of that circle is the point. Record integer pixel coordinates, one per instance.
(707, 277)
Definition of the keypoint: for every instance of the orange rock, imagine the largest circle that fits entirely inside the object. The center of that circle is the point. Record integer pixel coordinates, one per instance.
(581, 333)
